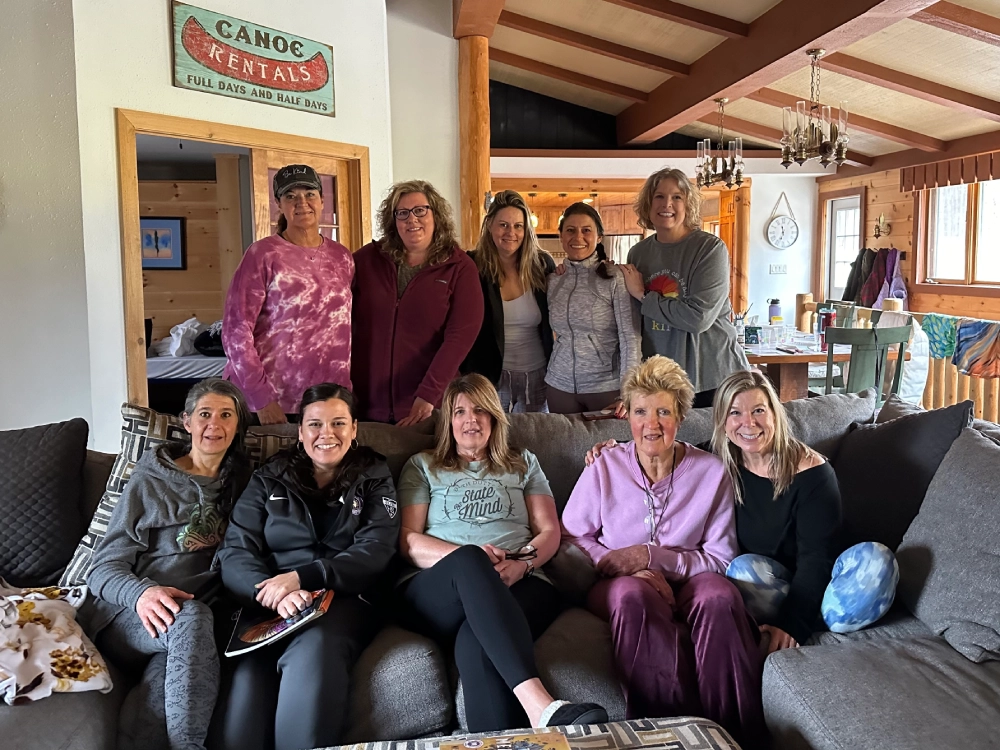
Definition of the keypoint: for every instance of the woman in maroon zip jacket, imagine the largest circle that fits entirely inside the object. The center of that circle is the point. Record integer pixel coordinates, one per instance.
(418, 307)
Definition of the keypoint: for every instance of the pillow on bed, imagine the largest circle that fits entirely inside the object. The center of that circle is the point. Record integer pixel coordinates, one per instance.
(142, 429)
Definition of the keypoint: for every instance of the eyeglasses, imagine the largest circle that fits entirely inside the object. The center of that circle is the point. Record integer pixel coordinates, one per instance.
(402, 214)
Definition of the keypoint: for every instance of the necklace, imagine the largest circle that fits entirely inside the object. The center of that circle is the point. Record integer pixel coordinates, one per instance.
(653, 517)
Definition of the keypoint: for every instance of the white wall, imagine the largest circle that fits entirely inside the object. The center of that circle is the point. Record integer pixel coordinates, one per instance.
(802, 192)
(123, 61)
(423, 91)
(44, 372)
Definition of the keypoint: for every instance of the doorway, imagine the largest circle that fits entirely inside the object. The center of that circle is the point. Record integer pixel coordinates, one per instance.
(843, 237)
(344, 167)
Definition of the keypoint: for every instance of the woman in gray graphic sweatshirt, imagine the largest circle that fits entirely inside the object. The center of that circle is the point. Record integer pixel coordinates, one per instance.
(595, 322)
(680, 276)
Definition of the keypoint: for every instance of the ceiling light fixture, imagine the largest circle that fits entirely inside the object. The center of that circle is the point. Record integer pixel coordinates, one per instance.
(726, 168)
(532, 217)
(810, 132)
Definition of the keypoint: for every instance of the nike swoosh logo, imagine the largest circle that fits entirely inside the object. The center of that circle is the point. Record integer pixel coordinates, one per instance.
(275, 497)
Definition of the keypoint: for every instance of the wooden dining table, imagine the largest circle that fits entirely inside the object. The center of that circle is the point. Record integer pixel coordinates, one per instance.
(790, 372)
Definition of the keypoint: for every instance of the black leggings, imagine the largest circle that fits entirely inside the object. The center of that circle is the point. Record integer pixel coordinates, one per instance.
(462, 600)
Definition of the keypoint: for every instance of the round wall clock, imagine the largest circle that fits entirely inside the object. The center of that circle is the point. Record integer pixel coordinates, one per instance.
(782, 231)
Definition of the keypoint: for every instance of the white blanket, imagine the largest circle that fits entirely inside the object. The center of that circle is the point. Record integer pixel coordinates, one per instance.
(43, 650)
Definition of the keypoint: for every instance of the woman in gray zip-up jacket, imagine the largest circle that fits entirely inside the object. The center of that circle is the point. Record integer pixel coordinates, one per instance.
(595, 322)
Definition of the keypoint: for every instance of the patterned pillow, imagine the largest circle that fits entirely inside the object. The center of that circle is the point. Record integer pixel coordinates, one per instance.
(143, 429)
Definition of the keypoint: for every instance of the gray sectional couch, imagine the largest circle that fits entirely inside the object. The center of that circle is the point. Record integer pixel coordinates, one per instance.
(896, 681)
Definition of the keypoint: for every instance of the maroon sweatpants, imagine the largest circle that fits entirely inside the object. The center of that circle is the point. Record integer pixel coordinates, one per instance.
(696, 658)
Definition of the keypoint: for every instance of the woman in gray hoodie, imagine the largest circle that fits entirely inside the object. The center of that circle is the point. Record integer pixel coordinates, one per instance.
(595, 322)
(152, 578)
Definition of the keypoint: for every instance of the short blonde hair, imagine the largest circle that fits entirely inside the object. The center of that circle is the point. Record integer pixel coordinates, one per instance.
(659, 374)
(692, 198)
(500, 456)
(444, 239)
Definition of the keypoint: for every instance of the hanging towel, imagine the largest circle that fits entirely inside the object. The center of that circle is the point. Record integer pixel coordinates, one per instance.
(977, 351)
(940, 330)
(893, 287)
(873, 284)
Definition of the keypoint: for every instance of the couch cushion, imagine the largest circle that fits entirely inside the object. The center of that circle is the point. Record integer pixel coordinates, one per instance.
(67, 721)
(823, 422)
(884, 471)
(897, 623)
(142, 429)
(399, 689)
(949, 561)
(42, 473)
(560, 442)
(576, 662)
(885, 693)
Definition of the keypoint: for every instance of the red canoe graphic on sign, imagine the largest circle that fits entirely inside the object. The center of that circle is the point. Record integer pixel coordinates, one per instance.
(286, 75)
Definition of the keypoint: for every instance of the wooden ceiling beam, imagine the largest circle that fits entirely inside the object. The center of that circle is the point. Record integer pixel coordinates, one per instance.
(569, 76)
(773, 49)
(963, 21)
(592, 44)
(633, 153)
(960, 148)
(921, 88)
(687, 16)
(475, 17)
(893, 133)
(765, 133)
(525, 185)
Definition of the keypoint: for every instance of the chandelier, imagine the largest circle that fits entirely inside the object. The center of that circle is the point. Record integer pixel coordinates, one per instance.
(726, 167)
(811, 133)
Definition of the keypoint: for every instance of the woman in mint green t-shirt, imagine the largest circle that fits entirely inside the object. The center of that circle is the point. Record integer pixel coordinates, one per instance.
(477, 517)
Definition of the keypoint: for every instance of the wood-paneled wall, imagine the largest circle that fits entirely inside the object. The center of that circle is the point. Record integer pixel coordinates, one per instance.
(171, 297)
(883, 196)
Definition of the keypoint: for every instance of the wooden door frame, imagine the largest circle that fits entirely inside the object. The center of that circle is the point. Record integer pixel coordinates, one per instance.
(130, 123)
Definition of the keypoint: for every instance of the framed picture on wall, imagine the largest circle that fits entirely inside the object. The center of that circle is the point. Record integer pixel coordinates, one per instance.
(162, 243)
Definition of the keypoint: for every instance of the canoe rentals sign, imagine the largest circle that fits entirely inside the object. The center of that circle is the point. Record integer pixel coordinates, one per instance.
(224, 55)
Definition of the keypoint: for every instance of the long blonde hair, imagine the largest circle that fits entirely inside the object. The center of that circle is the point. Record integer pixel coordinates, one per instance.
(787, 452)
(500, 456)
(528, 263)
(692, 198)
(444, 239)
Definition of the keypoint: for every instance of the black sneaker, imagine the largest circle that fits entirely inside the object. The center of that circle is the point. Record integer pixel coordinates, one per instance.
(578, 713)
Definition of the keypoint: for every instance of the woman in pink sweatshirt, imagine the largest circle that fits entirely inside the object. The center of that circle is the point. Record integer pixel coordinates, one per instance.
(656, 517)
(287, 320)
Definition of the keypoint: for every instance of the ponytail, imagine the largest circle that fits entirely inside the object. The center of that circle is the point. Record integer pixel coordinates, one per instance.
(602, 262)
(282, 224)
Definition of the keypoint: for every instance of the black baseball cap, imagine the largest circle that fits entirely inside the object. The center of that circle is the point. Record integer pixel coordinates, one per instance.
(295, 175)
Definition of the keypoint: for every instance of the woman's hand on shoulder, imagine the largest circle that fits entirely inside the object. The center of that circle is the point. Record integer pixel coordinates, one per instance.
(778, 639)
(624, 561)
(511, 571)
(633, 280)
(294, 602)
(157, 606)
(272, 414)
(420, 411)
(594, 453)
(811, 461)
(272, 591)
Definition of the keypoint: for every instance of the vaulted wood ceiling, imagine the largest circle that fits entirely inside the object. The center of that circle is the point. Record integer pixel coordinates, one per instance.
(921, 79)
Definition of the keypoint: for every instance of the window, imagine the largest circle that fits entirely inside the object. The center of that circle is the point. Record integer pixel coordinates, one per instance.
(962, 240)
(844, 228)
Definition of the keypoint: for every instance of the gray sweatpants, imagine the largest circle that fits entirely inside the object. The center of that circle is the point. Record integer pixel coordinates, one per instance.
(180, 682)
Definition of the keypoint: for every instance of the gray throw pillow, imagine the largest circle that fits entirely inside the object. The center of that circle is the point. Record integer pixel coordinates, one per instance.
(823, 422)
(949, 560)
(40, 520)
(884, 470)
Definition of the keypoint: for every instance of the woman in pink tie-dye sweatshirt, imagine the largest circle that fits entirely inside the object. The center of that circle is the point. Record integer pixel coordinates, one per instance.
(287, 321)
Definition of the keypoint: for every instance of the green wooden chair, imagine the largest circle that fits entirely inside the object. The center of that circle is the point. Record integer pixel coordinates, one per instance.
(869, 353)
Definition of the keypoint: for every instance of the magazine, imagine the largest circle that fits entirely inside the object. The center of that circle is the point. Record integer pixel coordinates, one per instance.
(537, 741)
(256, 626)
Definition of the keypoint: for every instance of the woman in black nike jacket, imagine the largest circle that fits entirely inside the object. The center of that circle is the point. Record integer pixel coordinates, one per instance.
(321, 515)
